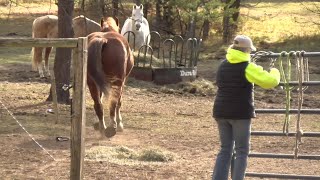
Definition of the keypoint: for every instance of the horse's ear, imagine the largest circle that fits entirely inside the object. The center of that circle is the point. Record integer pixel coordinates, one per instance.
(141, 6)
(134, 6)
(101, 22)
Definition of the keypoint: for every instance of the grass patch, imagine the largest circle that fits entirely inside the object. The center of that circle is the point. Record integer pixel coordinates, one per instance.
(16, 19)
(15, 55)
(156, 155)
(199, 86)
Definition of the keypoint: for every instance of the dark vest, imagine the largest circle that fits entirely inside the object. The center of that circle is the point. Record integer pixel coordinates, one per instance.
(234, 99)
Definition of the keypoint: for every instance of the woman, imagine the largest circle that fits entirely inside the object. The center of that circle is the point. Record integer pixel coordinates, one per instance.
(234, 106)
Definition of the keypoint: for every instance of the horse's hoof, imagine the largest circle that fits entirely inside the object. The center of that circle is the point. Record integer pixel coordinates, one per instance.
(110, 132)
(120, 127)
(96, 126)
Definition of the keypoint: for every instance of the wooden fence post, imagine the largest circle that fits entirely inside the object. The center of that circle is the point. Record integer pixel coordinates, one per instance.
(78, 109)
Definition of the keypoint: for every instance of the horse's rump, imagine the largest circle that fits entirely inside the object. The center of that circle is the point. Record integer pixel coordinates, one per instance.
(43, 27)
(109, 59)
(95, 71)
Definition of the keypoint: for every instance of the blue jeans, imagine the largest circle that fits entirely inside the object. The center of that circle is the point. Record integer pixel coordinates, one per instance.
(235, 145)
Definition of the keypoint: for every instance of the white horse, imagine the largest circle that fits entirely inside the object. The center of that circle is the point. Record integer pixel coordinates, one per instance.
(139, 25)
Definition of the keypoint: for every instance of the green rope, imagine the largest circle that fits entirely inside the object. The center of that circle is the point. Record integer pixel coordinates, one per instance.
(303, 75)
(285, 74)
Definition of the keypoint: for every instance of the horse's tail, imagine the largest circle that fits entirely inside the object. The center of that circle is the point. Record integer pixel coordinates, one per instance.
(95, 66)
(34, 51)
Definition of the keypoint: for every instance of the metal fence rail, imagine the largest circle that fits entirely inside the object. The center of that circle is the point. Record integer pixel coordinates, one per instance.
(307, 83)
(306, 54)
(284, 156)
(277, 133)
(291, 111)
(292, 134)
(281, 176)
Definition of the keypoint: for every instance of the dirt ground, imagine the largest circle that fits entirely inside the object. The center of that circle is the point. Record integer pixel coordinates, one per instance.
(154, 116)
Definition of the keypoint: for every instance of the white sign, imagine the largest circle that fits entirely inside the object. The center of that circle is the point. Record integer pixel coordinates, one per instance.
(188, 72)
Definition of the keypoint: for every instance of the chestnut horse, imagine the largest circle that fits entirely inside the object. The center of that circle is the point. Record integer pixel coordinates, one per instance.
(110, 62)
(47, 27)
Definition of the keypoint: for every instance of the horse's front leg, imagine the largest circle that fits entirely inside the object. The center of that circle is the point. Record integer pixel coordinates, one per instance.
(46, 60)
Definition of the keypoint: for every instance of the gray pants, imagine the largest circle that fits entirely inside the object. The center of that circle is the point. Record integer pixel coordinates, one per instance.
(235, 145)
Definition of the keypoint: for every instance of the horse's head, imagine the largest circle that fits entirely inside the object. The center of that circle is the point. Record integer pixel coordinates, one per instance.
(137, 16)
(110, 24)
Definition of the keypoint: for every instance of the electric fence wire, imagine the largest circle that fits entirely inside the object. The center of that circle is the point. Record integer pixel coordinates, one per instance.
(33, 139)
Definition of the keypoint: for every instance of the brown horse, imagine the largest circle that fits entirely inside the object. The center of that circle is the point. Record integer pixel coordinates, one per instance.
(47, 27)
(110, 62)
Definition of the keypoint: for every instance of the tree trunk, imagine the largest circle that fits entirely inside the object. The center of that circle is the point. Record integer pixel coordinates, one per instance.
(115, 8)
(225, 34)
(138, 2)
(192, 27)
(158, 13)
(102, 7)
(206, 29)
(62, 59)
(230, 27)
(82, 5)
(146, 7)
(168, 16)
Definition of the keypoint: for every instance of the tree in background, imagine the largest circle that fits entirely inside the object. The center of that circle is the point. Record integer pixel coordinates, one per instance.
(62, 59)
(115, 8)
(195, 14)
(230, 18)
(138, 2)
(183, 17)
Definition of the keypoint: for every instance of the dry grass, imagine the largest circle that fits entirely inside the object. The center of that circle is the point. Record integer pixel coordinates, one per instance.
(276, 26)
(282, 25)
(125, 155)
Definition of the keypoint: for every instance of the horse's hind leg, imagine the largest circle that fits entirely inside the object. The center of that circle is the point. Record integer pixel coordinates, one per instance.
(118, 114)
(98, 107)
(114, 103)
(37, 60)
(46, 60)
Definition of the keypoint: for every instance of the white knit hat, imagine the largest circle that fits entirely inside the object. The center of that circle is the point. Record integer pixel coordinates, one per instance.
(243, 41)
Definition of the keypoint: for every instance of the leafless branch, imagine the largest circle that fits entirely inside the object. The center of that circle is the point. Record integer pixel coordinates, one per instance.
(315, 11)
